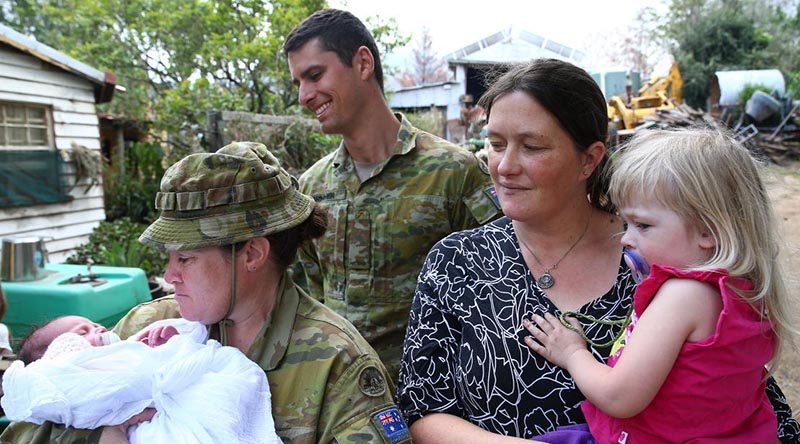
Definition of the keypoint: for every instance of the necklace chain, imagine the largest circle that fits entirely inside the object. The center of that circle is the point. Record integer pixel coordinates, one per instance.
(546, 280)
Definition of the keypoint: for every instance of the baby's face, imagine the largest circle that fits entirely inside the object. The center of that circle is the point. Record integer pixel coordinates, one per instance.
(79, 325)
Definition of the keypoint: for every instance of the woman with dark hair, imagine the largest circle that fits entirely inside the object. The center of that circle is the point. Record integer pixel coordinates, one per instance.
(466, 375)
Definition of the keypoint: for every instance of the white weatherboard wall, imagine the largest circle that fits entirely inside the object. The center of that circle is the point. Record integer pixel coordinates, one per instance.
(26, 79)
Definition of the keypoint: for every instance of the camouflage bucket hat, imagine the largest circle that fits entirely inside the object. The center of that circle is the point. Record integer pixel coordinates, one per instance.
(238, 193)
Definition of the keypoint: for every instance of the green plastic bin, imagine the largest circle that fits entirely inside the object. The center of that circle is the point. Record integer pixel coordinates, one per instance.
(104, 300)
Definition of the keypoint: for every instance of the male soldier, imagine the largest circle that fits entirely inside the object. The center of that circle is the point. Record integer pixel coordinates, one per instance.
(392, 191)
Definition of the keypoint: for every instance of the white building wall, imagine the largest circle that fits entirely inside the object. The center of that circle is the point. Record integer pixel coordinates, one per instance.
(26, 79)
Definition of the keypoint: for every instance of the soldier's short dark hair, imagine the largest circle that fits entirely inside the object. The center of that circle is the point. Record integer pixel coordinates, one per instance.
(338, 31)
(572, 96)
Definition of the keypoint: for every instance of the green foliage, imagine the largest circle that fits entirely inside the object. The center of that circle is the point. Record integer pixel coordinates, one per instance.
(116, 244)
(131, 195)
(303, 145)
(793, 84)
(750, 89)
(387, 37)
(431, 121)
(297, 145)
(179, 58)
(712, 35)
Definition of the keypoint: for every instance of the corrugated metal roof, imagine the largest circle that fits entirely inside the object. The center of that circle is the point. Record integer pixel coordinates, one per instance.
(520, 40)
(104, 81)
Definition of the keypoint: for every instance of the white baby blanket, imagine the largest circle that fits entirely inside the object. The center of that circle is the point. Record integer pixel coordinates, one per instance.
(202, 393)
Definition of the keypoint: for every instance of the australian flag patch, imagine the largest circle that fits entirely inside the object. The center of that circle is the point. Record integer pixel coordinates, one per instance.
(492, 193)
(393, 425)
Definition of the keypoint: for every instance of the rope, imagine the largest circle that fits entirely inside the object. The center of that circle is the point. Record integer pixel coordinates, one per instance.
(589, 318)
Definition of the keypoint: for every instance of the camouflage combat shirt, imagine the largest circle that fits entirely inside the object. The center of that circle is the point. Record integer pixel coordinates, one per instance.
(327, 383)
(379, 231)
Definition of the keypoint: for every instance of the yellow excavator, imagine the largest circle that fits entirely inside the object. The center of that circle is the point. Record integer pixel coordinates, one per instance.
(660, 92)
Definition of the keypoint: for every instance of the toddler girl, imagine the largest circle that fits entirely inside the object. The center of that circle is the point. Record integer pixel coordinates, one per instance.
(711, 311)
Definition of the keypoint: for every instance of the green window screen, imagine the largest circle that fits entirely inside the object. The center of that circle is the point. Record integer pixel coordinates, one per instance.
(31, 177)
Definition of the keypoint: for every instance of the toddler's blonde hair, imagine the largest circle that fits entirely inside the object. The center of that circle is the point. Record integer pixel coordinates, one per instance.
(713, 182)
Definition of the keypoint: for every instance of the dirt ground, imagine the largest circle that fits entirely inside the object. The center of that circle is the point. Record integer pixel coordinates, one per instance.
(784, 189)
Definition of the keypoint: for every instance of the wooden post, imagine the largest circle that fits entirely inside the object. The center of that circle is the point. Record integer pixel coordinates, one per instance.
(121, 151)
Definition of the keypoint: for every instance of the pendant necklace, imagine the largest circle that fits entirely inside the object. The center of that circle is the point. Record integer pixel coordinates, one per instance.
(546, 280)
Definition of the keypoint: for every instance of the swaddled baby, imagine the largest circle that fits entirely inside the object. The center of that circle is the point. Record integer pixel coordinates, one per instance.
(72, 333)
(81, 375)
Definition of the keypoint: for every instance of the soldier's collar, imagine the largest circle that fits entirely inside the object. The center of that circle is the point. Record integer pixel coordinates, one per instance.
(277, 330)
(406, 141)
(406, 135)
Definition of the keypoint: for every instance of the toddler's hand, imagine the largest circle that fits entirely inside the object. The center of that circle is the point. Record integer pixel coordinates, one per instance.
(157, 336)
(556, 342)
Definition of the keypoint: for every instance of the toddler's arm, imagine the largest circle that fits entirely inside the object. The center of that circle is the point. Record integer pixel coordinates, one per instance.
(681, 310)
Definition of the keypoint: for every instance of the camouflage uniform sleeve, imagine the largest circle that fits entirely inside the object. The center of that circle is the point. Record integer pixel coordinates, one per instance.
(23, 432)
(360, 407)
(479, 203)
(307, 265)
(145, 314)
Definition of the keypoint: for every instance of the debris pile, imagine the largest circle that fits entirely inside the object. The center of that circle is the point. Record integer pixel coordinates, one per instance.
(780, 143)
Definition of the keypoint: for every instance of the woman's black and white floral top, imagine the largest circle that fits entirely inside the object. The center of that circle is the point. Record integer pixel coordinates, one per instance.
(464, 352)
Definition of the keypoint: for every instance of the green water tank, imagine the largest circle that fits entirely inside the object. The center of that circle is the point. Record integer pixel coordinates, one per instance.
(68, 290)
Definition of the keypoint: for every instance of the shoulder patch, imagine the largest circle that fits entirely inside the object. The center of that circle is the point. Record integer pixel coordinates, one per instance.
(483, 165)
(371, 382)
(492, 193)
(392, 425)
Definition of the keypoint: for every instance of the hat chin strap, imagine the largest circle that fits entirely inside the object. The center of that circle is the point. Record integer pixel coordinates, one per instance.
(226, 321)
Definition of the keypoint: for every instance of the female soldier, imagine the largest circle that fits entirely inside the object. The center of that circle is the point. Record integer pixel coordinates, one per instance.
(232, 222)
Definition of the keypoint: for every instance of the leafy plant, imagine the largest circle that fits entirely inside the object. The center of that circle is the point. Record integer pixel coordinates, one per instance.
(132, 194)
(749, 89)
(116, 244)
(428, 120)
(304, 145)
(297, 145)
(710, 35)
(793, 84)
